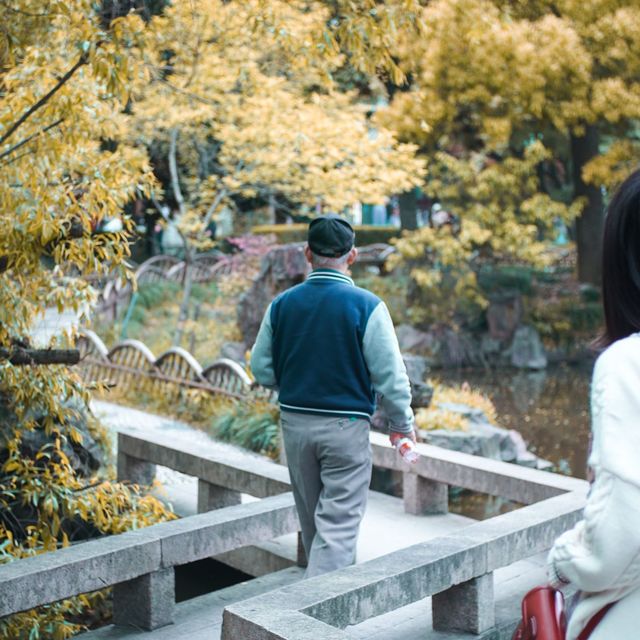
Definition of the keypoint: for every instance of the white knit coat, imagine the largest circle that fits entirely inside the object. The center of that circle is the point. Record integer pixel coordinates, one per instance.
(600, 556)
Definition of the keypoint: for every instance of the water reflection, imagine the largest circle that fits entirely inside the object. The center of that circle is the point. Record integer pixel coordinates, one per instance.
(549, 408)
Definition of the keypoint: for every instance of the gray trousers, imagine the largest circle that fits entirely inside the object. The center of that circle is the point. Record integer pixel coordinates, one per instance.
(329, 462)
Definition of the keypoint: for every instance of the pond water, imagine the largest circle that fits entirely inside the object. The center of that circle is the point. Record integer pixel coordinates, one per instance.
(549, 408)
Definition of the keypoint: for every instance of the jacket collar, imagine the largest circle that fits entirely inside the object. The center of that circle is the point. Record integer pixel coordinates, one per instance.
(330, 275)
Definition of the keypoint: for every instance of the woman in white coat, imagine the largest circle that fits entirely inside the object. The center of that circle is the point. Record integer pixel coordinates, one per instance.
(600, 556)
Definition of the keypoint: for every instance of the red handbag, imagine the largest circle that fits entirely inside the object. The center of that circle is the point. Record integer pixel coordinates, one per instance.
(544, 618)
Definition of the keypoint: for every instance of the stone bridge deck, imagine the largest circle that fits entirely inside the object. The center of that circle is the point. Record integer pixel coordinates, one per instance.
(386, 528)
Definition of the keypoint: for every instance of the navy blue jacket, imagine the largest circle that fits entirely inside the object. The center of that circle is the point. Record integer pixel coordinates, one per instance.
(329, 346)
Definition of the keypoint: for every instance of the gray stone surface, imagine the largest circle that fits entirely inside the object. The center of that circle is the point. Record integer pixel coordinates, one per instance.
(208, 534)
(417, 367)
(146, 602)
(504, 315)
(357, 593)
(82, 568)
(283, 267)
(120, 558)
(234, 351)
(130, 469)
(496, 478)
(467, 607)
(526, 350)
(201, 617)
(212, 496)
(388, 584)
(215, 462)
(413, 340)
(424, 496)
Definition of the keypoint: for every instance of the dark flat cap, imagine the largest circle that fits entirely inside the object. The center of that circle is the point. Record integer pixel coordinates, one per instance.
(330, 236)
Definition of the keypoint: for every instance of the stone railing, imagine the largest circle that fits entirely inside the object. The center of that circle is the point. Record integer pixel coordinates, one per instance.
(140, 564)
(456, 570)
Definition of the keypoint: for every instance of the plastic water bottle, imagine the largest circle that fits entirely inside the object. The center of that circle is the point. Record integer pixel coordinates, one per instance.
(407, 449)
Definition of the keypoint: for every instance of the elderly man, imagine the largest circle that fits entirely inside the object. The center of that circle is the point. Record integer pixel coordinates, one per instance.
(329, 347)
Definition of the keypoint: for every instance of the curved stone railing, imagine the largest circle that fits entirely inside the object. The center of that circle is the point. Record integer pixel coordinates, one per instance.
(132, 364)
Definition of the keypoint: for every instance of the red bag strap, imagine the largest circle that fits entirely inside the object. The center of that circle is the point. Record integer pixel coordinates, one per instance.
(594, 622)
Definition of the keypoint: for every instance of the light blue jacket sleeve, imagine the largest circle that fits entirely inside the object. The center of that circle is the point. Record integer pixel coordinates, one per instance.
(262, 355)
(387, 369)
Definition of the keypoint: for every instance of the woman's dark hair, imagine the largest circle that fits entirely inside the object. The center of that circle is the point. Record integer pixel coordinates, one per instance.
(621, 263)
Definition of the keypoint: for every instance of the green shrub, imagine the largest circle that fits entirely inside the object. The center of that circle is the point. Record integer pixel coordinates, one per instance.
(365, 233)
(152, 294)
(252, 425)
(514, 277)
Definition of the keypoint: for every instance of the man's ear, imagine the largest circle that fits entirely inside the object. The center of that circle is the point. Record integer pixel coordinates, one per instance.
(353, 254)
(308, 254)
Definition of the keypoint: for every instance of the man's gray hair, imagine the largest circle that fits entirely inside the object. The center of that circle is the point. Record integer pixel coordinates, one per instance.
(319, 262)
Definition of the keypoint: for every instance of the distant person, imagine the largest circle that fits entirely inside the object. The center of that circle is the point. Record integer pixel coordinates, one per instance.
(329, 346)
(600, 556)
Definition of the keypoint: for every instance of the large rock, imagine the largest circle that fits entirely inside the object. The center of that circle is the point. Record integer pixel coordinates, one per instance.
(526, 350)
(421, 391)
(413, 340)
(504, 315)
(234, 351)
(482, 438)
(417, 368)
(283, 267)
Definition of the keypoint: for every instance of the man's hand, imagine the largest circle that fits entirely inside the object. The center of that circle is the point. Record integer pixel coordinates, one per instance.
(394, 436)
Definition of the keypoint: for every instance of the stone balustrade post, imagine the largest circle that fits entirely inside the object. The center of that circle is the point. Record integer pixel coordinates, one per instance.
(468, 607)
(135, 470)
(421, 495)
(147, 602)
(213, 496)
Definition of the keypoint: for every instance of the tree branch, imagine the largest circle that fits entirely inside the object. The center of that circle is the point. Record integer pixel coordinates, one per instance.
(32, 109)
(74, 231)
(214, 205)
(173, 170)
(22, 356)
(16, 146)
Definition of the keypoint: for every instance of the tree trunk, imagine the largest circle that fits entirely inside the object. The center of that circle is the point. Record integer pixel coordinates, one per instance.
(187, 283)
(589, 225)
(409, 210)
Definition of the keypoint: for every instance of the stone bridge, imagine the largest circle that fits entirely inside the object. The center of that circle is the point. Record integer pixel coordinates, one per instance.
(422, 573)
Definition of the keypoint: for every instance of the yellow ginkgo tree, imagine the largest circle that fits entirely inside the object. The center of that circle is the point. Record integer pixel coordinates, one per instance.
(85, 88)
(241, 104)
(488, 77)
(64, 83)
